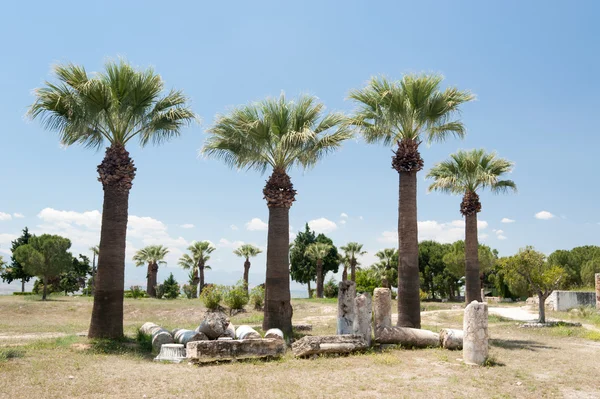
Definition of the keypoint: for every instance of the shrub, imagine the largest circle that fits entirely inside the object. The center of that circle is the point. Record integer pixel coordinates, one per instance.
(422, 295)
(135, 292)
(235, 296)
(257, 297)
(170, 288)
(160, 291)
(189, 290)
(211, 296)
(23, 293)
(330, 289)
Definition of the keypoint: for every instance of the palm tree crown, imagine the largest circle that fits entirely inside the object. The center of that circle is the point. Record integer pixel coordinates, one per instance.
(247, 251)
(200, 251)
(388, 256)
(317, 250)
(153, 254)
(352, 250)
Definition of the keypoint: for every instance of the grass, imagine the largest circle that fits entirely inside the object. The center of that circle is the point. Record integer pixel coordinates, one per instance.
(535, 363)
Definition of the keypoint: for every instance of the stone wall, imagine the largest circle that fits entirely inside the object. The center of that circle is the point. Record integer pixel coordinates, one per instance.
(565, 300)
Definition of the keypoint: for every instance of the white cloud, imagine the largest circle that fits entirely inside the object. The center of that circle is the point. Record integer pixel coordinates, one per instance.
(234, 227)
(507, 220)
(5, 216)
(6, 242)
(544, 215)
(187, 226)
(224, 243)
(322, 225)
(344, 215)
(17, 215)
(436, 231)
(256, 225)
(360, 217)
(342, 222)
(498, 231)
(501, 237)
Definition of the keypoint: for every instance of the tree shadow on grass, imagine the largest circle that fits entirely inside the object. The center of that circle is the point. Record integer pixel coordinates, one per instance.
(140, 347)
(519, 344)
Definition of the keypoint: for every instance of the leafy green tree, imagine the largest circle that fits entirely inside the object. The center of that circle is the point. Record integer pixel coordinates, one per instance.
(352, 251)
(171, 287)
(405, 113)
(573, 262)
(95, 252)
(15, 271)
(236, 297)
(331, 288)
(466, 173)
(318, 251)
(45, 256)
(111, 108)
(455, 262)
(434, 277)
(152, 255)
(530, 267)
(247, 251)
(200, 251)
(589, 270)
(367, 280)
(74, 278)
(387, 267)
(277, 134)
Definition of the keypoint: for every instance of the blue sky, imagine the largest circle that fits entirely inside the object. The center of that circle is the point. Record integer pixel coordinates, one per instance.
(533, 66)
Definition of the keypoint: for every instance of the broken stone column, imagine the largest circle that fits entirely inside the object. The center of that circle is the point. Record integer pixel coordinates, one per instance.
(229, 331)
(383, 308)
(598, 291)
(475, 330)
(182, 336)
(274, 333)
(451, 339)
(246, 332)
(213, 325)
(346, 295)
(160, 337)
(362, 318)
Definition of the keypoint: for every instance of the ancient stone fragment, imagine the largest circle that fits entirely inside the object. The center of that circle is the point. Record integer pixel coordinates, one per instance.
(229, 331)
(346, 295)
(405, 336)
(475, 328)
(214, 324)
(174, 353)
(246, 332)
(274, 333)
(451, 339)
(314, 345)
(362, 318)
(210, 351)
(182, 336)
(598, 291)
(382, 299)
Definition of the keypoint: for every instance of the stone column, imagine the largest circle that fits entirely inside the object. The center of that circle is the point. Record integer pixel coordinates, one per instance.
(346, 295)
(383, 308)
(475, 329)
(362, 320)
(598, 291)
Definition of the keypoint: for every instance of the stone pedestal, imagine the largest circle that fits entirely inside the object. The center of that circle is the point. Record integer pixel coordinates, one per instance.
(346, 295)
(174, 353)
(382, 299)
(362, 318)
(598, 291)
(475, 333)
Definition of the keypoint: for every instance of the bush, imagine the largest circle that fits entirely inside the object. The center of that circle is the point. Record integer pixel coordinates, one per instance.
(257, 297)
(330, 289)
(135, 292)
(23, 293)
(211, 296)
(160, 291)
(189, 290)
(235, 296)
(170, 288)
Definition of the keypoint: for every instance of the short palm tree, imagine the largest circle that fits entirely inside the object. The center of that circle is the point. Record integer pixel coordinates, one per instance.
(196, 261)
(465, 173)
(152, 255)
(317, 252)
(388, 259)
(247, 251)
(95, 251)
(277, 134)
(111, 108)
(345, 262)
(405, 113)
(352, 251)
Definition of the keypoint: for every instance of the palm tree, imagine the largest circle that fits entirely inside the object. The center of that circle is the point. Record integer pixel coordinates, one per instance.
(345, 262)
(388, 258)
(317, 252)
(464, 174)
(95, 251)
(405, 113)
(353, 250)
(247, 251)
(199, 251)
(277, 134)
(111, 108)
(152, 255)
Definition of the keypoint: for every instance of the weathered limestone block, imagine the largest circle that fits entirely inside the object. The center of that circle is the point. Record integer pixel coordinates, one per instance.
(451, 339)
(182, 336)
(210, 351)
(174, 353)
(411, 337)
(229, 331)
(246, 332)
(475, 329)
(213, 325)
(362, 318)
(346, 295)
(598, 291)
(314, 345)
(274, 333)
(382, 299)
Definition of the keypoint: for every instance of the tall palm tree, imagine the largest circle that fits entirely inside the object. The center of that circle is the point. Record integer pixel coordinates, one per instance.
(277, 134)
(405, 113)
(111, 108)
(199, 251)
(465, 173)
(247, 251)
(152, 255)
(317, 252)
(352, 251)
(95, 251)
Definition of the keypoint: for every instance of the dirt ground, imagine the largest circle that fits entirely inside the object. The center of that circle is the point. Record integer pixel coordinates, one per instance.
(42, 354)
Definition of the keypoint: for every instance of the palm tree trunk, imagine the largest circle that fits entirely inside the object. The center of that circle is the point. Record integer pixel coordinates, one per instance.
(320, 278)
(409, 302)
(149, 282)
(196, 281)
(201, 270)
(246, 271)
(116, 173)
(278, 309)
(45, 290)
(93, 275)
(472, 281)
(345, 274)
(22, 285)
(353, 269)
(309, 296)
(154, 279)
